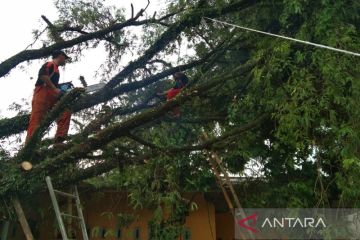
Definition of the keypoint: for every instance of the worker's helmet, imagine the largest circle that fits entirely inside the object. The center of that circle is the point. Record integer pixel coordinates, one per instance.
(57, 53)
(181, 77)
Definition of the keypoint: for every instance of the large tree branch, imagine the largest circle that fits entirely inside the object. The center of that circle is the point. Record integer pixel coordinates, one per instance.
(108, 94)
(95, 170)
(191, 19)
(110, 164)
(121, 129)
(14, 125)
(92, 127)
(27, 55)
(56, 31)
(229, 135)
(113, 162)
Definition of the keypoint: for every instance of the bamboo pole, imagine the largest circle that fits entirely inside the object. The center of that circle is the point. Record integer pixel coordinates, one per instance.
(22, 219)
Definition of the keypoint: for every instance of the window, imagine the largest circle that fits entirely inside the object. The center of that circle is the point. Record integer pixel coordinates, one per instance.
(98, 232)
(102, 232)
(118, 233)
(187, 234)
(137, 233)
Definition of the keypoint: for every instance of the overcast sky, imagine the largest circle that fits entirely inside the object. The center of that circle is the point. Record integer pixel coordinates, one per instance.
(18, 18)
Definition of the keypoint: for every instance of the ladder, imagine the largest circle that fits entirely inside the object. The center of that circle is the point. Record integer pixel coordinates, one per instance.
(60, 215)
(224, 182)
(218, 168)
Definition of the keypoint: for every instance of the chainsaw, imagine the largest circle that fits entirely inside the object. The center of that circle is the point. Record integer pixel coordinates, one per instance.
(67, 86)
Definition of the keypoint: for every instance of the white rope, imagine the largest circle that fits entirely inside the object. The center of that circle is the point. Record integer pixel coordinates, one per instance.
(288, 38)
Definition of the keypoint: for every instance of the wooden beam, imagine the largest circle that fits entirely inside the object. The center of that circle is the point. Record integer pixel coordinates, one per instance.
(22, 219)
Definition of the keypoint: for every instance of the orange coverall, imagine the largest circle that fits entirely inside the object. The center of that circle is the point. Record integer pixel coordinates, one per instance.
(44, 98)
(171, 93)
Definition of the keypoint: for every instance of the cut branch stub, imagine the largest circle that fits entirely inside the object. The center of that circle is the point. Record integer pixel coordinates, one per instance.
(26, 166)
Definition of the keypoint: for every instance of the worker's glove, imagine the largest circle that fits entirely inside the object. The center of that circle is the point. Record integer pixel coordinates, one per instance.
(67, 86)
(61, 93)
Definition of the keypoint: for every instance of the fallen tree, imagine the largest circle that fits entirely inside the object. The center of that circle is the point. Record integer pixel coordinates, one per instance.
(114, 132)
(76, 150)
(193, 18)
(272, 109)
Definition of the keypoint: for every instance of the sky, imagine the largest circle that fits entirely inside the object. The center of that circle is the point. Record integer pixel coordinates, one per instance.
(16, 27)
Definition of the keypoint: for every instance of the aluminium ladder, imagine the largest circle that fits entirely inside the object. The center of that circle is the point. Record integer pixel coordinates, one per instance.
(59, 215)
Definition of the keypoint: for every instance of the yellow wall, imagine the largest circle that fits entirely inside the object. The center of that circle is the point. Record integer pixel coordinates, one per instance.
(202, 222)
(225, 227)
(100, 210)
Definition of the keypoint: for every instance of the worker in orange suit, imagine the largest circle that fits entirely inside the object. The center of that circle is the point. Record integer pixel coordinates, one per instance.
(46, 94)
(180, 81)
